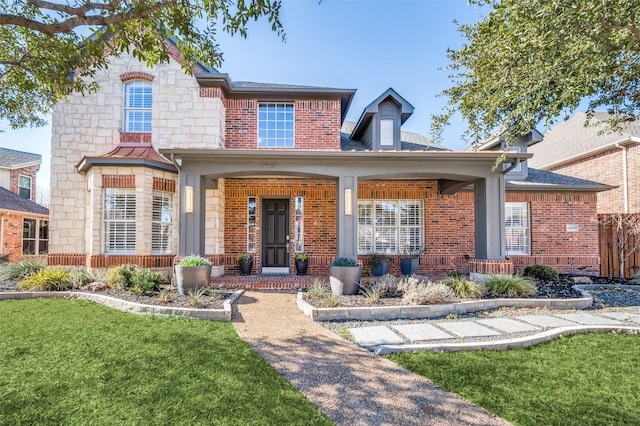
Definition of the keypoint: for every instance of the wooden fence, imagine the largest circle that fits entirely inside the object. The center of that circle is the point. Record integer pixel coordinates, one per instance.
(616, 231)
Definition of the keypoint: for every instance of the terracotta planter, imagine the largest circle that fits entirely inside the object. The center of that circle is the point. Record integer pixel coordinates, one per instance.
(192, 277)
(344, 280)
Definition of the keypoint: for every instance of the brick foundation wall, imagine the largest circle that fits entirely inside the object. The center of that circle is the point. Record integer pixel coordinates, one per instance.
(317, 124)
(319, 218)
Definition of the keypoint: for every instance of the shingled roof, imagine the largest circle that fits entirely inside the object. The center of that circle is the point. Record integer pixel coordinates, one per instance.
(410, 141)
(541, 180)
(571, 140)
(14, 202)
(12, 159)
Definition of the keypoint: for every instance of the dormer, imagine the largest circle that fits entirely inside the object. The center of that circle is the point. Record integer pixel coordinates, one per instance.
(379, 125)
(521, 170)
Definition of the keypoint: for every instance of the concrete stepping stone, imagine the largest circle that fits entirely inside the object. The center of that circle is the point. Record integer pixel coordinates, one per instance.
(467, 329)
(416, 332)
(508, 325)
(545, 320)
(622, 316)
(589, 319)
(378, 335)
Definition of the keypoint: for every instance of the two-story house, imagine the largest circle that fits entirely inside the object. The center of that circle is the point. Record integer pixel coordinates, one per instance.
(160, 164)
(23, 223)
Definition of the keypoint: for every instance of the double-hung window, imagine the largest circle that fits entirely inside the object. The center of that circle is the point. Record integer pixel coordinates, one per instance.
(390, 226)
(162, 222)
(35, 236)
(517, 228)
(275, 125)
(119, 221)
(137, 106)
(24, 186)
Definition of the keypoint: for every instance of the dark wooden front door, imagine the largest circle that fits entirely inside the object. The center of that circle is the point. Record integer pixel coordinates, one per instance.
(275, 233)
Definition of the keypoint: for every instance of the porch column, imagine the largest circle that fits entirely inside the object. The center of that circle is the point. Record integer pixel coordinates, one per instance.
(347, 227)
(489, 218)
(192, 197)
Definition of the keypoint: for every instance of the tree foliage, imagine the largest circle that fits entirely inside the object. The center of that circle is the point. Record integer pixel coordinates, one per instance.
(529, 61)
(48, 49)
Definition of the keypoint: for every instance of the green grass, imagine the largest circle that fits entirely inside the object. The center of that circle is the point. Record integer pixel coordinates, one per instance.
(76, 362)
(589, 379)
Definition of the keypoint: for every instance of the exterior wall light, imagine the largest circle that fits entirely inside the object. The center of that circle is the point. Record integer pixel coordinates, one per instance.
(348, 202)
(188, 199)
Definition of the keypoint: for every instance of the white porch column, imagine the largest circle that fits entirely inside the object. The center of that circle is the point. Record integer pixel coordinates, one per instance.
(347, 214)
(489, 217)
(192, 230)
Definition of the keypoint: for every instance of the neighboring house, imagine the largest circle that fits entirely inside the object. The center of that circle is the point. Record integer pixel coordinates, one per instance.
(160, 164)
(23, 223)
(592, 152)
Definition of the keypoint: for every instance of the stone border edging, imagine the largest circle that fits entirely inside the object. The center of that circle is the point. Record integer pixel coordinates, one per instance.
(370, 313)
(497, 345)
(224, 314)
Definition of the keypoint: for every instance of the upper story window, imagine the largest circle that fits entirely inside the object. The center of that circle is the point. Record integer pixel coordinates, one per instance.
(275, 125)
(24, 186)
(137, 106)
(386, 132)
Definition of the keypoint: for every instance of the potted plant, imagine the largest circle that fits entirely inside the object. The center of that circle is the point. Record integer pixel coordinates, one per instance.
(409, 259)
(344, 275)
(379, 264)
(246, 263)
(192, 272)
(302, 262)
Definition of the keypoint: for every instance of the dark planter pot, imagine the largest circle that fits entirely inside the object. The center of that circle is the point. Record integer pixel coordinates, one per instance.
(192, 277)
(381, 267)
(301, 267)
(344, 280)
(409, 265)
(245, 267)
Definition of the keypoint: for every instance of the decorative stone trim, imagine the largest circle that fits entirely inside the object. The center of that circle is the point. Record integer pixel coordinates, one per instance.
(224, 314)
(118, 181)
(136, 75)
(135, 137)
(374, 313)
(160, 184)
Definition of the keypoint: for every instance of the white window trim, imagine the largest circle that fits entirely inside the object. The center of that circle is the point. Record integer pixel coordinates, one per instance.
(520, 249)
(263, 144)
(252, 225)
(163, 223)
(298, 236)
(30, 185)
(127, 109)
(386, 132)
(106, 221)
(398, 226)
(37, 239)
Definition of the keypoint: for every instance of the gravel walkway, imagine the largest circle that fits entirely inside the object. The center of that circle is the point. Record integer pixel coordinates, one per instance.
(351, 385)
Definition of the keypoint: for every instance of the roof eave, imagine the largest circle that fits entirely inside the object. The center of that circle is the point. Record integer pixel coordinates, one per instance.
(87, 162)
(554, 187)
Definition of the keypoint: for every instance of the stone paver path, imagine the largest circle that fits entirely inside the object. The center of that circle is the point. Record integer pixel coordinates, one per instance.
(351, 385)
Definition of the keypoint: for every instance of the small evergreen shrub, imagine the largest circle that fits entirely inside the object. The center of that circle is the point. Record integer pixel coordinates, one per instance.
(388, 285)
(541, 272)
(427, 293)
(194, 260)
(48, 279)
(463, 288)
(121, 276)
(344, 261)
(318, 288)
(515, 286)
(145, 281)
(456, 274)
(22, 269)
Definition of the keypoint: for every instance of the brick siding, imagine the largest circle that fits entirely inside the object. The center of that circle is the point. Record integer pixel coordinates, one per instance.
(317, 124)
(14, 178)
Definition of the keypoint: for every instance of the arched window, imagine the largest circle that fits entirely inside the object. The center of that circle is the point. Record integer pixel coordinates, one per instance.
(137, 106)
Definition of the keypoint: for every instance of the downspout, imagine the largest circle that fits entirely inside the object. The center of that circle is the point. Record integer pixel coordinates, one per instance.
(2, 230)
(625, 177)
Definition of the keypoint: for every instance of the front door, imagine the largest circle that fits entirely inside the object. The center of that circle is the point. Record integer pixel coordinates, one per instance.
(275, 233)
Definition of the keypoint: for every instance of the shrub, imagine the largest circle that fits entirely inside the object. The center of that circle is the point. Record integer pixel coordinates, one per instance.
(541, 272)
(145, 281)
(121, 276)
(456, 274)
(376, 258)
(301, 257)
(388, 285)
(195, 297)
(463, 288)
(427, 293)
(244, 257)
(318, 288)
(407, 282)
(48, 279)
(635, 279)
(331, 301)
(372, 293)
(344, 261)
(194, 260)
(22, 269)
(166, 296)
(516, 286)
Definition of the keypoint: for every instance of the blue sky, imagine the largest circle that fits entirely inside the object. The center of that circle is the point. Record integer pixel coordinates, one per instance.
(368, 45)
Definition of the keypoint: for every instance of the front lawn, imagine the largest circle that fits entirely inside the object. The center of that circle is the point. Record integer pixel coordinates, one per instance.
(591, 379)
(77, 362)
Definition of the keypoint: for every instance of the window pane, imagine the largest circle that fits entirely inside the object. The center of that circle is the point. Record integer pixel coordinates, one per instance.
(390, 226)
(137, 108)
(275, 125)
(251, 225)
(119, 221)
(386, 132)
(162, 223)
(517, 228)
